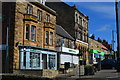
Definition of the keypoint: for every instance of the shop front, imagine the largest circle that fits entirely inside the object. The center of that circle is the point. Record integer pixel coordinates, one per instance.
(68, 55)
(95, 55)
(37, 58)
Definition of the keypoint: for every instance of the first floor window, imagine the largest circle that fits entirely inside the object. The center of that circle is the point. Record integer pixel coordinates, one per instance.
(27, 31)
(51, 38)
(33, 33)
(46, 37)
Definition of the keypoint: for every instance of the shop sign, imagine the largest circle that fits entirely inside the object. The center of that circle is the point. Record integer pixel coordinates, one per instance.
(64, 49)
(96, 52)
(35, 50)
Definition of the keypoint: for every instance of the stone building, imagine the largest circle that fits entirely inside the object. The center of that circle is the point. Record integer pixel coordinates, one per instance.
(95, 50)
(99, 49)
(75, 23)
(65, 48)
(31, 36)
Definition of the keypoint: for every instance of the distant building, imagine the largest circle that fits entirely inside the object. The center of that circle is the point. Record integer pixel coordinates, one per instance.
(96, 51)
(75, 23)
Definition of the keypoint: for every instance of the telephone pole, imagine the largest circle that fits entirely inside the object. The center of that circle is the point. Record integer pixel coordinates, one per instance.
(118, 37)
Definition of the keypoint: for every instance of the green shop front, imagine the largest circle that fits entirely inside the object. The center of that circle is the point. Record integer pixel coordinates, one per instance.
(95, 55)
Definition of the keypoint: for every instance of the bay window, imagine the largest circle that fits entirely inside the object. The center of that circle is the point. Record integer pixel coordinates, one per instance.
(27, 31)
(33, 33)
(51, 38)
(46, 37)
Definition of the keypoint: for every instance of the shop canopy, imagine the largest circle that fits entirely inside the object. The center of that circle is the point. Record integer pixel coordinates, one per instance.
(96, 51)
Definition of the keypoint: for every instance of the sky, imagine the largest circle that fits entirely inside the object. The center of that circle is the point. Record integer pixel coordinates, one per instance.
(101, 18)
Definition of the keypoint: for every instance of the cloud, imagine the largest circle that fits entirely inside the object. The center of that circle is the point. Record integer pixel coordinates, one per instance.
(107, 9)
(104, 28)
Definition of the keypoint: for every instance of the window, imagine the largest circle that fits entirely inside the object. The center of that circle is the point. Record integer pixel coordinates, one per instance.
(29, 9)
(80, 20)
(33, 33)
(39, 13)
(76, 18)
(34, 59)
(46, 37)
(24, 61)
(51, 38)
(80, 35)
(51, 61)
(63, 42)
(47, 18)
(83, 37)
(27, 31)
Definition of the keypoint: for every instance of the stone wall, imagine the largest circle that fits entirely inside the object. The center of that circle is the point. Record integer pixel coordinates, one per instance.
(50, 73)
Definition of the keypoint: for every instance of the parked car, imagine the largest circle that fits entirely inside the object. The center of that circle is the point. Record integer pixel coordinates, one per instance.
(108, 64)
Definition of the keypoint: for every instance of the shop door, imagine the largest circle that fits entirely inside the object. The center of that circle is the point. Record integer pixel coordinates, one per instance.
(44, 61)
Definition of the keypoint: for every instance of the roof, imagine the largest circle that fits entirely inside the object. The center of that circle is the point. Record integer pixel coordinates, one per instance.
(60, 31)
(104, 47)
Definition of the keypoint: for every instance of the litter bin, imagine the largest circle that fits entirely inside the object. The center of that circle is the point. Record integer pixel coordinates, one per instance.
(67, 65)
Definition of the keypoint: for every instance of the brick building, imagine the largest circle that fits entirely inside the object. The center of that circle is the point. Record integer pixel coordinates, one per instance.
(31, 36)
(75, 23)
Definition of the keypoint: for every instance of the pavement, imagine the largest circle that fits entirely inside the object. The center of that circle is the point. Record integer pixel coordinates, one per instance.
(100, 75)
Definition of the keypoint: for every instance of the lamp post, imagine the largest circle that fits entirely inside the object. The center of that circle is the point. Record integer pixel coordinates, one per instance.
(118, 37)
(80, 54)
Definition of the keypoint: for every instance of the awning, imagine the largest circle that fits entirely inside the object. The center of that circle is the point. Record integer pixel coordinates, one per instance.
(96, 51)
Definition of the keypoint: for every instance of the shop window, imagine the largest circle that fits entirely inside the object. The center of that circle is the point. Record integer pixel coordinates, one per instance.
(33, 33)
(29, 9)
(51, 38)
(27, 31)
(51, 61)
(24, 59)
(47, 18)
(39, 14)
(34, 60)
(46, 37)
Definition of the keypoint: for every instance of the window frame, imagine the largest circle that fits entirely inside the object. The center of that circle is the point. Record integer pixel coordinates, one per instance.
(51, 38)
(47, 18)
(29, 9)
(47, 38)
(39, 15)
(27, 32)
(33, 33)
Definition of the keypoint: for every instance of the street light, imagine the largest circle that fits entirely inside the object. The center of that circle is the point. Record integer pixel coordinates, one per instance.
(80, 54)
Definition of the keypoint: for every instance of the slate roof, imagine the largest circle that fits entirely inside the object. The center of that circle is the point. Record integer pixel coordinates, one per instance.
(60, 31)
